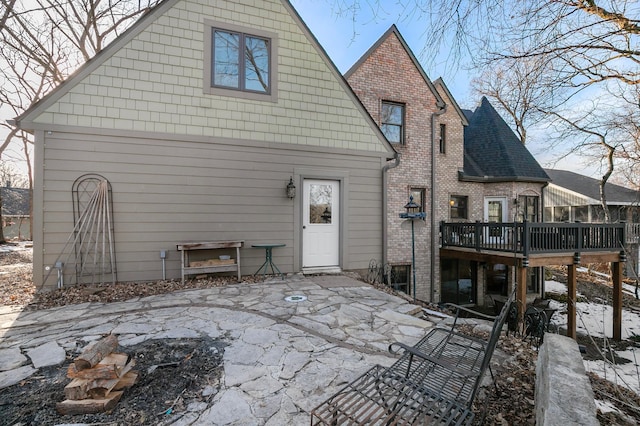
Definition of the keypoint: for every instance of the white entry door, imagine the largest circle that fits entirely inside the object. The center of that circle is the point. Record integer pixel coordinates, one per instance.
(321, 223)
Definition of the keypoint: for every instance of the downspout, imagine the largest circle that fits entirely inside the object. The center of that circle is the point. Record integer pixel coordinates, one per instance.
(387, 167)
(434, 225)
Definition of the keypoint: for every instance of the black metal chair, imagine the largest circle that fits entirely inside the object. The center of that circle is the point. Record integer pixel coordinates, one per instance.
(433, 381)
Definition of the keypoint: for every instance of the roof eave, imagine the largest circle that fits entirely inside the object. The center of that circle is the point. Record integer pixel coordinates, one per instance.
(497, 179)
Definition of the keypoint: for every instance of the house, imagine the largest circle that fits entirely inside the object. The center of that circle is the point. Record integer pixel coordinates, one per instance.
(205, 121)
(479, 188)
(15, 212)
(402, 99)
(15, 201)
(459, 166)
(572, 197)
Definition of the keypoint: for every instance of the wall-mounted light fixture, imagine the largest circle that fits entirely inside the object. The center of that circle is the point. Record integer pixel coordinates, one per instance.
(291, 189)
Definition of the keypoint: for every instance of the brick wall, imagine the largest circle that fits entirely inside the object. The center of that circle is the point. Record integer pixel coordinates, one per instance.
(389, 74)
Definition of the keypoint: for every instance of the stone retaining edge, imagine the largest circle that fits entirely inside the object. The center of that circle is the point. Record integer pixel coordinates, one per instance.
(563, 392)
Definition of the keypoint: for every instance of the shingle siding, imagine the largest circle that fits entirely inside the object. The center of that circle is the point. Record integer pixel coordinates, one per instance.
(155, 84)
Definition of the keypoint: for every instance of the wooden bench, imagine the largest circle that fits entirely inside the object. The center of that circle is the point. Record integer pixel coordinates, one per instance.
(435, 380)
(187, 267)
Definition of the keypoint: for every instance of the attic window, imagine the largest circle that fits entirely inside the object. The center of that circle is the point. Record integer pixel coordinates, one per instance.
(443, 138)
(392, 122)
(240, 62)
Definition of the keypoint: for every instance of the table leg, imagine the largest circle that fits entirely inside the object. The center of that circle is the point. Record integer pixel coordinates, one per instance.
(269, 262)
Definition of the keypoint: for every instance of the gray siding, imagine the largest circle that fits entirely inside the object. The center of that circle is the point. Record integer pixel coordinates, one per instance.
(557, 196)
(171, 191)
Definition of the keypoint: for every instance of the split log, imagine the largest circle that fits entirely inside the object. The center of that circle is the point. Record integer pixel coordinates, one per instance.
(94, 388)
(89, 406)
(110, 367)
(126, 381)
(95, 352)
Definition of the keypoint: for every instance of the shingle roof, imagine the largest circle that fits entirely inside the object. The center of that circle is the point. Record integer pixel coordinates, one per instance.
(493, 152)
(590, 187)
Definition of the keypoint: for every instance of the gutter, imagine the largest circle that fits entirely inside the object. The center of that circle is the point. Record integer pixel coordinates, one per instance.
(434, 244)
(385, 232)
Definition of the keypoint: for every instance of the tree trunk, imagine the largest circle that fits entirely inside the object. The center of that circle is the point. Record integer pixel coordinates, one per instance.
(2, 240)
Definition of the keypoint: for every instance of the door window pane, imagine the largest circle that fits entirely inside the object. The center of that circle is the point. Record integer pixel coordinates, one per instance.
(497, 278)
(320, 203)
(495, 211)
(458, 281)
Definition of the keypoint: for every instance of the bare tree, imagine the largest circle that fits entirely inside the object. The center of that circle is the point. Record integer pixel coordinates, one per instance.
(627, 123)
(522, 88)
(528, 48)
(595, 135)
(43, 43)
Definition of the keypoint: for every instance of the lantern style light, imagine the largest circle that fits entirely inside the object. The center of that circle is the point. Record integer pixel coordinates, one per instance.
(413, 210)
(291, 189)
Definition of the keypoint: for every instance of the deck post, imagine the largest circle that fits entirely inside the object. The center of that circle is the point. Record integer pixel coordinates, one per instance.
(616, 268)
(521, 294)
(571, 301)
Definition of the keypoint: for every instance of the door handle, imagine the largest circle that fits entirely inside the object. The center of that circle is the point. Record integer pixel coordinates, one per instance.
(304, 226)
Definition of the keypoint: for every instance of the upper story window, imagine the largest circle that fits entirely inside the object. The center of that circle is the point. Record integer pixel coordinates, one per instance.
(392, 122)
(240, 62)
(443, 138)
(458, 207)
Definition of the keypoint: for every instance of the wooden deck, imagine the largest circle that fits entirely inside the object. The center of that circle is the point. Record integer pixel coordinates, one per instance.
(524, 245)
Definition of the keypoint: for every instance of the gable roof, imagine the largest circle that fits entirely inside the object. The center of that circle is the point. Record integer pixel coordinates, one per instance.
(590, 187)
(394, 30)
(492, 151)
(440, 83)
(25, 120)
(42, 115)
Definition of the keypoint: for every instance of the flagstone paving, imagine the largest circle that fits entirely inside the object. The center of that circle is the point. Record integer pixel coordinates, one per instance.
(283, 357)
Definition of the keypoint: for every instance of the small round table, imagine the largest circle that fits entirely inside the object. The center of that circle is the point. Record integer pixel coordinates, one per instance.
(268, 247)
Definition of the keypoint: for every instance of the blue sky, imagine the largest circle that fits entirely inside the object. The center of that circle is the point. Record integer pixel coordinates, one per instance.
(346, 41)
